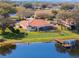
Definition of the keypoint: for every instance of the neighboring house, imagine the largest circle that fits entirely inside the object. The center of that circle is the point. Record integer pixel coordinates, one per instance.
(69, 23)
(36, 25)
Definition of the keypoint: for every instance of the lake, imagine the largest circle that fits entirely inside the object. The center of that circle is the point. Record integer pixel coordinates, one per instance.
(37, 50)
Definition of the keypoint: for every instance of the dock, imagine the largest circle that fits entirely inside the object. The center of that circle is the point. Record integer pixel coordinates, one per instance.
(59, 41)
(65, 45)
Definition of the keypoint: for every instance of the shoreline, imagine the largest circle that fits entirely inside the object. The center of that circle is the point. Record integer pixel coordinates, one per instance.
(42, 40)
(50, 40)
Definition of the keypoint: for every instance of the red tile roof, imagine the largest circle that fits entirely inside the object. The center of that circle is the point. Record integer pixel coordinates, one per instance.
(34, 23)
(39, 23)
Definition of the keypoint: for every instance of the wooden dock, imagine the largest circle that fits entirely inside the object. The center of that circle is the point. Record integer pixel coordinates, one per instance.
(66, 45)
(59, 41)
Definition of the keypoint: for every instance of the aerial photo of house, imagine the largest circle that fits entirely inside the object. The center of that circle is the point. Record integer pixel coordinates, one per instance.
(39, 28)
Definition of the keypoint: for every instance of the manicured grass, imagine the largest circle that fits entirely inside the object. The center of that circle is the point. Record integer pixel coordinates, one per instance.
(39, 36)
(49, 36)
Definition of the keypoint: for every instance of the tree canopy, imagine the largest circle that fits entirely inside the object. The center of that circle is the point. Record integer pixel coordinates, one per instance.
(5, 10)
(67, 6)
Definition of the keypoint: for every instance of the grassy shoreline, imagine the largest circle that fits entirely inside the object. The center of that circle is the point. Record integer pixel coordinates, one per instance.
(28, 41)
(39, 36)
(44, 39)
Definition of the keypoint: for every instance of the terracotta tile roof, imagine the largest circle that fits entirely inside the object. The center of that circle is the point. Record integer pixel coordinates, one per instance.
(39, 23)
(34, 23)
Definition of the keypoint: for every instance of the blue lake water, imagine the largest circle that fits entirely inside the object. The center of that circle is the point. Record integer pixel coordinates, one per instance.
(36, 50)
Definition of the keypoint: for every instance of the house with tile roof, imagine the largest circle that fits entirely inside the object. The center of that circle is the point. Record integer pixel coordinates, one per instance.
(69, 23)
(36, 25)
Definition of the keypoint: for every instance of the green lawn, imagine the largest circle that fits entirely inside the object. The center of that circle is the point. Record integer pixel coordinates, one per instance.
(48, 36)
(39, 36)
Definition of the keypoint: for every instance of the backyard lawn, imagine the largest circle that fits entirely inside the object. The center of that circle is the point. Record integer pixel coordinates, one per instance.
(49, 36)
(38, 36)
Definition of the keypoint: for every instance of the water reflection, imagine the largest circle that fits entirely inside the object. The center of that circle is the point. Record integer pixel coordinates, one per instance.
(72, 51)
(4, 50)
(39, 49)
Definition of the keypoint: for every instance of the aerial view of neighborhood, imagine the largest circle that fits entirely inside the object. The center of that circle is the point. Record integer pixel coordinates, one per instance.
(39, 28)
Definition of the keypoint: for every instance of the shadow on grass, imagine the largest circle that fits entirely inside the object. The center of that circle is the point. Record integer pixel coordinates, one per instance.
(10, 35)
(75, 31)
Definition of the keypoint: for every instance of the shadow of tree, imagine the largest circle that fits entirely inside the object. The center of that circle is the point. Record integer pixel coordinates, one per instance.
(74, 31)
(59, 48)
(8, 49)
(10, 35)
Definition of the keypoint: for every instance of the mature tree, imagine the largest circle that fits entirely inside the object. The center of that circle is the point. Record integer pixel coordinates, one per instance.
(5, 10)
(70, 15)
(75, 16)
(54, 12)
(43, 14)
(28, 5)
(67, 6)
(53, 15)
(24, 13)
(64, 14)
(44, 5)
